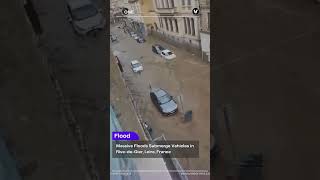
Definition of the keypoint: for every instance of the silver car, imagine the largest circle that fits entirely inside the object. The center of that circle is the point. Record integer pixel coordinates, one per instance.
(84, 16)
(163, 101)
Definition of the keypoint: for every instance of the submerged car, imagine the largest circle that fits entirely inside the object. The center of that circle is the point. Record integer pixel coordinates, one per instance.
(84, 16)
(157, 48)
(167, 54)
(163, 52)
(131, 33)
(141, 40)
(136, 66)
(135, 36)
(163, 101)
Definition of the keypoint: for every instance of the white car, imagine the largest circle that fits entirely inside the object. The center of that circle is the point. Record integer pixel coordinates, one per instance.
(136, 66)
(132, 34)
(167, 54)
(135, 36)
(84, 16)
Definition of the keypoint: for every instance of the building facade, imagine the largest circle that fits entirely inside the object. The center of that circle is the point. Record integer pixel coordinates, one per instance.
(133, 20)
(148, 15)
(205, 28)
(176, 21)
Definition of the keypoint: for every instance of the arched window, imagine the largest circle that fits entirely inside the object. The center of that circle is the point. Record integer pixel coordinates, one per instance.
(176, 22)
(166, 21)
(188, 26)
(185, 25)
(171, 26)
(192, 27)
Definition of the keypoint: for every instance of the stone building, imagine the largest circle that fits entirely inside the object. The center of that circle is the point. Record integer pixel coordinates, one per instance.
(133, 20)
(177, 22)
(148, 15)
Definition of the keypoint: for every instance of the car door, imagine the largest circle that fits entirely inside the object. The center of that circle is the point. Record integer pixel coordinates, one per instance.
(154, 49)
(158, 104)
(131, 66)
(158, 50)
(155, 100)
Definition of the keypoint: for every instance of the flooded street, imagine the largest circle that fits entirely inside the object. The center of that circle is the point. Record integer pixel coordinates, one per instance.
(185, 76)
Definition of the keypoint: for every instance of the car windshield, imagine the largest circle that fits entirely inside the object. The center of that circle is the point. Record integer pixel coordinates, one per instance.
(136, 65)
(164, 99)
(169, 53)
(160, 48)
(84, 12)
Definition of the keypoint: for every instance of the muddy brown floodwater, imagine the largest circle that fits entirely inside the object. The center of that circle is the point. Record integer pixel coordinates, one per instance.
(185, 76)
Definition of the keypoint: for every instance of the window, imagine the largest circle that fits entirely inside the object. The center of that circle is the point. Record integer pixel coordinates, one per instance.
(185, 25)
(192, 26)
(189, 2)
(176, 22)
(162, 1)
(168, 5)
(156, 1)
(172, 2)
(171, 27)
(188, 25)
(166, 21)
(159, 21)
(182, 1)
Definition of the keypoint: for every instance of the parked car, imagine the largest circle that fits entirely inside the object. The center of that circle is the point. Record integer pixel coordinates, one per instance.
(157, 48)
(135, 36)
(167, 54)
(163, 101)
(163, 52)
(84, 16)
(141, 40)
(136, 66)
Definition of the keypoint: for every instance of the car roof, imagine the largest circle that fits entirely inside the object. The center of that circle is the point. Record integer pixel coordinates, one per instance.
(166, 50)
(74, 4)
(159, 92)
(135, 62)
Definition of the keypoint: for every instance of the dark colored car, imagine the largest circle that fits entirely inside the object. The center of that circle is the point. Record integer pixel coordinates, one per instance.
(156, 48)
(163, 101)
(141, 40)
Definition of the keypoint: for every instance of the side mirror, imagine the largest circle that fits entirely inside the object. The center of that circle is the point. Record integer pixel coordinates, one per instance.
(69, 19)
(100, 11)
